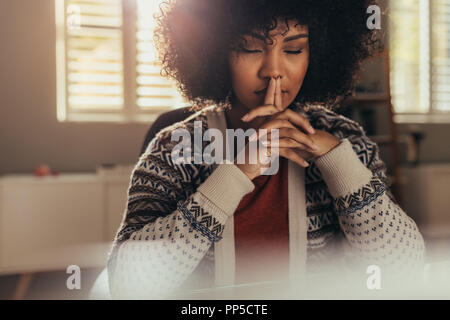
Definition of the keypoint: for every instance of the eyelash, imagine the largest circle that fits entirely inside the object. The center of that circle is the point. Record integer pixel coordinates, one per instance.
(258, 51)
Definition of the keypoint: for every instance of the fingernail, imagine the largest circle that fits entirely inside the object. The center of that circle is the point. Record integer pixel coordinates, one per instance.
(311, 129)
(245, 118)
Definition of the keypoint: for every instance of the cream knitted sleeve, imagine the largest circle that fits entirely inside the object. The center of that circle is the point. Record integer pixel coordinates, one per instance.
(168, 227)
(377, 229)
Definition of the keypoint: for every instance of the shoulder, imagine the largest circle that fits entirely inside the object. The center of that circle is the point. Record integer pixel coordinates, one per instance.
(159, 150)
(163, 138)
(329, 120)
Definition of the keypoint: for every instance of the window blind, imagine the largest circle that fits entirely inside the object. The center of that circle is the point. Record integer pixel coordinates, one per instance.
(440, 60)
(94, 55)
(420, 56)
(153, 91)
(107, 65)
(405, 55)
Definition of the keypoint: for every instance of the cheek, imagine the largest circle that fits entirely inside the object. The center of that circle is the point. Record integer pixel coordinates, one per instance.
(298, 72)
(241, 74)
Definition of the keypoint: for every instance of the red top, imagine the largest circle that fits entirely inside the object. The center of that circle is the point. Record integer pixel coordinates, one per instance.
(261, 230)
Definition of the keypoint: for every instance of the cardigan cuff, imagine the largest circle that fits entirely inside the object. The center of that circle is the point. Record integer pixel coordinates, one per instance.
(226, 187)
(342, 170)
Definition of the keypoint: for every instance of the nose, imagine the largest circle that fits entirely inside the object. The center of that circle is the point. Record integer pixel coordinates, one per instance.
(271, 66)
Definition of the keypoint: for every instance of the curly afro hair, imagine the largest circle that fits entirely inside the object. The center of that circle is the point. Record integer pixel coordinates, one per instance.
(194, 39)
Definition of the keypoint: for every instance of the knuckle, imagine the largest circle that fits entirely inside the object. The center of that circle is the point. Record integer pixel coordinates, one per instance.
(289, 113)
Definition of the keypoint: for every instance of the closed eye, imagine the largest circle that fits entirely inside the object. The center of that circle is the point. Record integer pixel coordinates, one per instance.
(293, 52)
(250, 51)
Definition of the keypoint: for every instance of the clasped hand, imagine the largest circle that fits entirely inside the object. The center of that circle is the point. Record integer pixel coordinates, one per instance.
(298, 140)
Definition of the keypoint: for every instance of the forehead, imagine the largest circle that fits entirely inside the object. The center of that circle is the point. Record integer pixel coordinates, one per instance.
(285, 28)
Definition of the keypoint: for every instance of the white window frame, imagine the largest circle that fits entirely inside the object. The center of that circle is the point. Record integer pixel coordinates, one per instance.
(131, 112)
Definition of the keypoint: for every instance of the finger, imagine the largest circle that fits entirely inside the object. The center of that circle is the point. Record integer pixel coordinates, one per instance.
(285, 143)
(288, 130)
(288, 114)
(290, 154)
(278, 96)
(274, 124)
(297, 119)
(264, 132)
(270, 93)
(262, 111)
(295, 134)
(304, 154)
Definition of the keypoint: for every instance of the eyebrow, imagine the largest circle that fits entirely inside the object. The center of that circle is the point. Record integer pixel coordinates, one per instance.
(291, 38)
(297, 36)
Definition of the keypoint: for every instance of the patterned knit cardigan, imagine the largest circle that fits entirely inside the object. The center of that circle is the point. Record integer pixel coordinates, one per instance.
(169, 228)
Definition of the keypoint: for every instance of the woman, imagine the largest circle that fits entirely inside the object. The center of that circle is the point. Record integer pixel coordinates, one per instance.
(261, 64)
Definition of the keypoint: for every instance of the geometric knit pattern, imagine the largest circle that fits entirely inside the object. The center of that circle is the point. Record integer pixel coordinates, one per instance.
(166, 227)
(202, 220)
(364, 196)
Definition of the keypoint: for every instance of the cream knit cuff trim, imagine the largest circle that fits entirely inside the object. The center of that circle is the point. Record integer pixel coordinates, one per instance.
(342, 170)
(211, 208)
(226, 187)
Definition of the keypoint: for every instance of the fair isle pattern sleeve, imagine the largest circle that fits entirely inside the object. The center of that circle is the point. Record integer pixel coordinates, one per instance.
(167, 227)
(377, 229)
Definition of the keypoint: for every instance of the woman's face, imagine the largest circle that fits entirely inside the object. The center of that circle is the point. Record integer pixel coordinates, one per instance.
(253, 65)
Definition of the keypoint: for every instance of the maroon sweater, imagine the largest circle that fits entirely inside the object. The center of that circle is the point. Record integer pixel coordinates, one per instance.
(262, 231)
